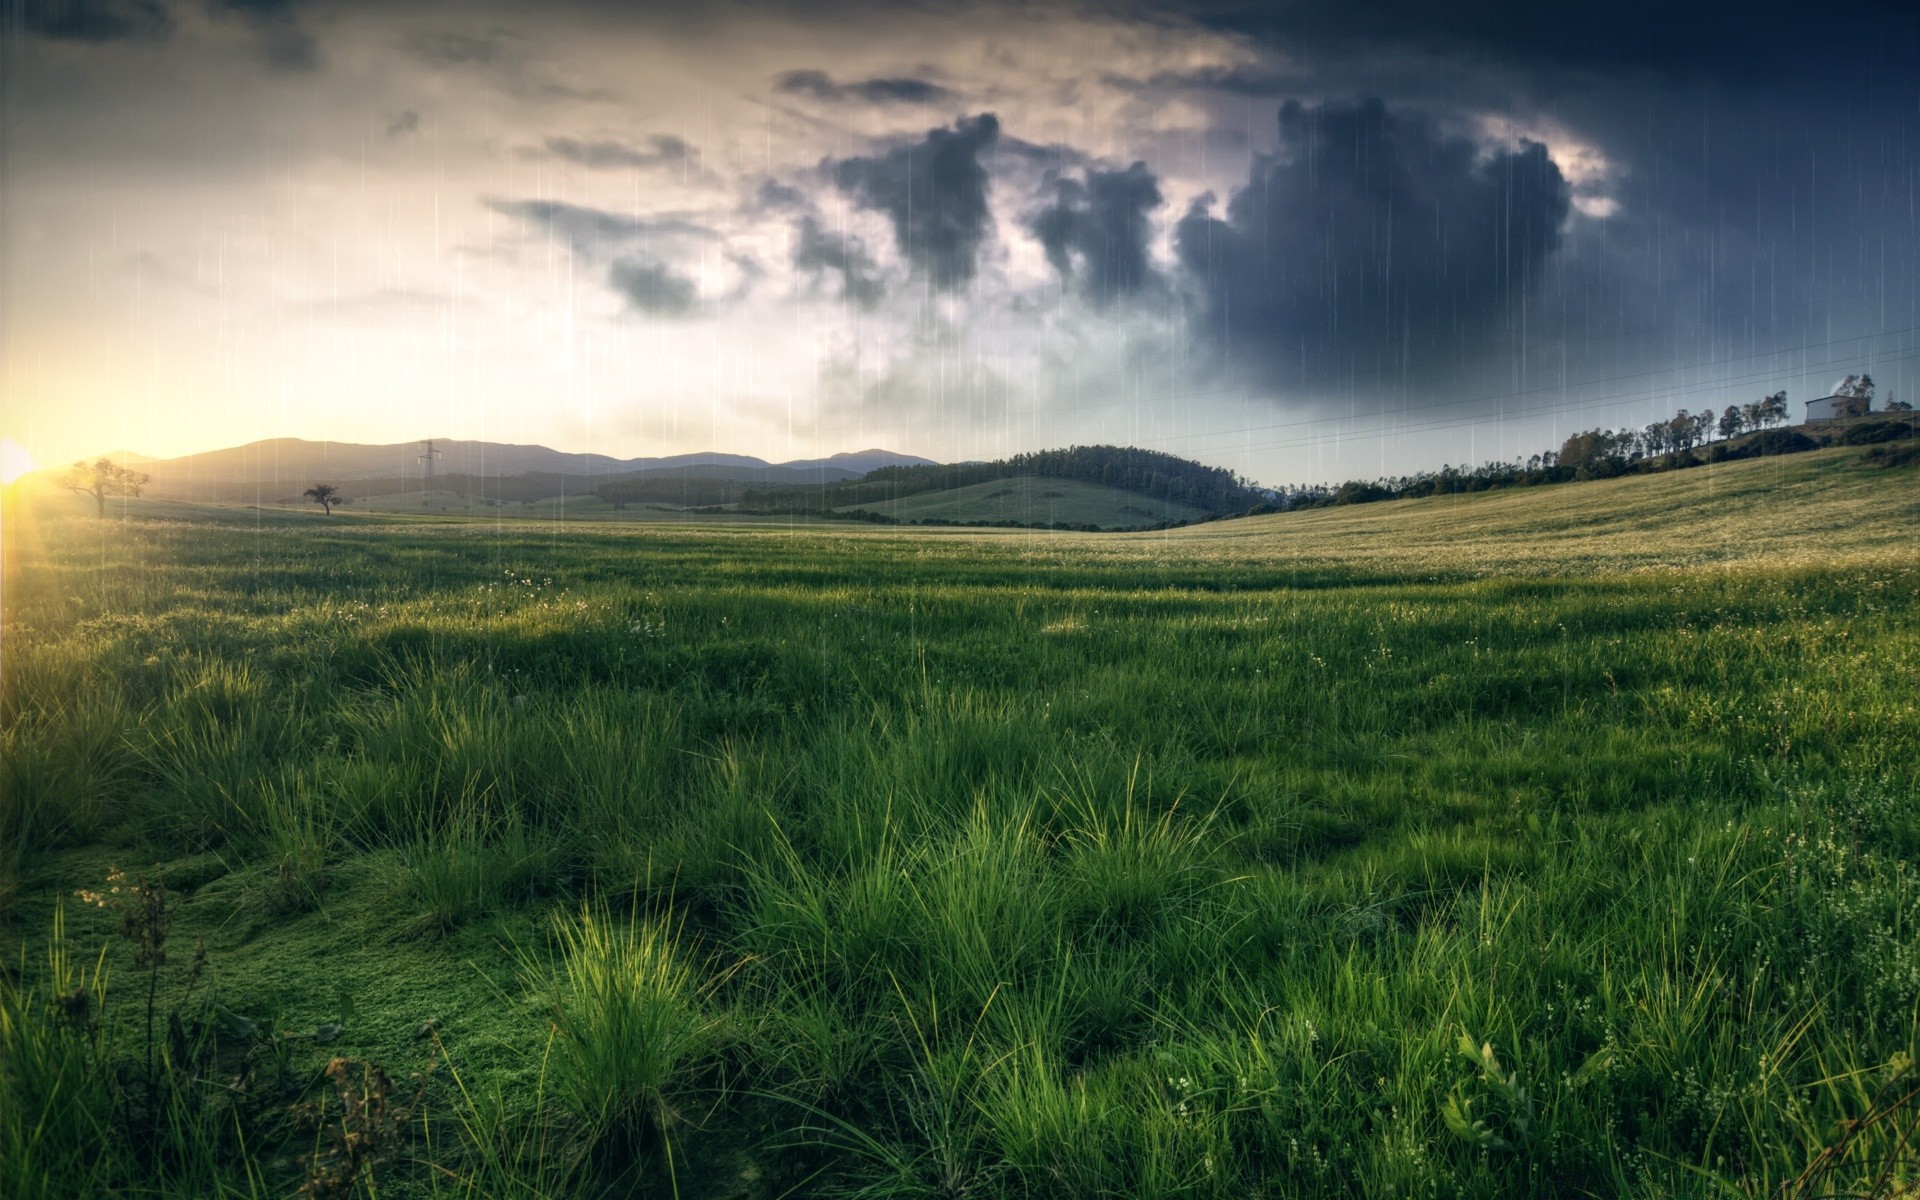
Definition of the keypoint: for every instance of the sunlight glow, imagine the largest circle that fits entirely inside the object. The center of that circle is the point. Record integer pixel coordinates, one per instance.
(14, 461)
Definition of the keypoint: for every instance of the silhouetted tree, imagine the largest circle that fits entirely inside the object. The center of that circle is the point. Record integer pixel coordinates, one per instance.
(1856, 387)
(1773, 409)
(1597, 452)
(101, 479)
(325, 495)
(1732, 422)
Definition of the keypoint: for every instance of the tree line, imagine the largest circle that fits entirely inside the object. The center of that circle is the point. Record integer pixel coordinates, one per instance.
(1753, 429)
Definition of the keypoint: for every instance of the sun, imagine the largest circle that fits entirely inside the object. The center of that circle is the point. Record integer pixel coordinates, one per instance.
(14, 461)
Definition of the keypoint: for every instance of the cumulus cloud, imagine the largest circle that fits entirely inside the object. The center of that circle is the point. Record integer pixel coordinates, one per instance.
(896, 90)
(1097, 229)
(1369, 243)
(934, 191)
(817, 251)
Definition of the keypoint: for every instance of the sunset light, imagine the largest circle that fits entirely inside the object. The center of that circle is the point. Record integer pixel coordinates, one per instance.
(1008, 599)
(14, 461)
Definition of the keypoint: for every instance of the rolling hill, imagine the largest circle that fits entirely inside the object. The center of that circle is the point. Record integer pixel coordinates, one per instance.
(1139, 487)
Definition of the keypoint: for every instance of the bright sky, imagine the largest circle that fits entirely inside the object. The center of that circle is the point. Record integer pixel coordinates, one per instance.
(789, 231)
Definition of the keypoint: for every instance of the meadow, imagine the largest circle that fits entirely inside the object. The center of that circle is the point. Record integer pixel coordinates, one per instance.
(1548, 842)
(1032, 500)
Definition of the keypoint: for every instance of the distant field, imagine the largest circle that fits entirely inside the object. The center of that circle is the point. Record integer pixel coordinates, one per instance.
(1034, 501)
(576, 508)
(1555, 842)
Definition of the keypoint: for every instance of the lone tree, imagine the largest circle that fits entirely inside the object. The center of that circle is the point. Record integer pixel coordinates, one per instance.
(325, 495)
(101, 479)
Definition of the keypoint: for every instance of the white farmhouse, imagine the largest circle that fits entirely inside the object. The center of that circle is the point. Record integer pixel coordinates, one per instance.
(1835, 408)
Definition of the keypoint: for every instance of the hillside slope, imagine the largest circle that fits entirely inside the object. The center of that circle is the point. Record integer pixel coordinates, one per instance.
(1031, 500)
(1820, 506)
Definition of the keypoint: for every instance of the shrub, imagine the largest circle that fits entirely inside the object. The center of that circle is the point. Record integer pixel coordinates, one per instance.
(1903, 454)
(1894, 429)
(1769, 443)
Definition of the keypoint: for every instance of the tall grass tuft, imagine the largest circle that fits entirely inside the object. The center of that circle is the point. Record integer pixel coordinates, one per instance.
(56, 1094)
(631, 1019)
(473, 866)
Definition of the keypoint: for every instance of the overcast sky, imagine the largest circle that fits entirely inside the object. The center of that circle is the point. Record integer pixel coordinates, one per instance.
(1305, 240)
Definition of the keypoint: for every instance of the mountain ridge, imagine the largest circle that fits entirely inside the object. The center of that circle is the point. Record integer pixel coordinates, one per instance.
(280, 461)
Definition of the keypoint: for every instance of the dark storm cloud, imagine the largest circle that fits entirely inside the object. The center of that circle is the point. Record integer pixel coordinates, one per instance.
(594, 230)
(1097, 229)
(897, 90)
(1241, 80)
(631, 246)
(98, 20)
(1729, 42)
(652, 288)
(817, 251)
(662, 149)
(1369, 244)
(282, 42)
(446, 49)
(500, 58)
(774, 196)
(934, 191)
(1049, 156)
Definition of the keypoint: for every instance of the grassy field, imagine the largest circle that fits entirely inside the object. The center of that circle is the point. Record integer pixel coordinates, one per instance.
(571, 508)
(1553, 842)
(1034, 501)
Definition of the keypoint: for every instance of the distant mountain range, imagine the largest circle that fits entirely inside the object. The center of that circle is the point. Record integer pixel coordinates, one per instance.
(281, 463)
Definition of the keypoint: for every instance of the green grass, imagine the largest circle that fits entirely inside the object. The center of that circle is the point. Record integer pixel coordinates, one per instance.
(1030, 500)
(584, 507)
(1550, 843)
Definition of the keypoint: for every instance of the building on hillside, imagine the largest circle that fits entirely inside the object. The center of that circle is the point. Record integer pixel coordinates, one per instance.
(1835, 408)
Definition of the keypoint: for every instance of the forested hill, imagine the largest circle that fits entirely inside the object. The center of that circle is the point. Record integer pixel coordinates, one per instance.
(1150, 473)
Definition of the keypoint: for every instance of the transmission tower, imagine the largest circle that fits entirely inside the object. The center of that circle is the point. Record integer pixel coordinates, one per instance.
(426, 460)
